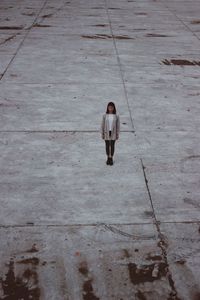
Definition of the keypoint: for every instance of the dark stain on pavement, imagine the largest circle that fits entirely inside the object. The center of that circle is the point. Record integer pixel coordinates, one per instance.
(47, 16)
(141, 14)
(33, 249)
(40, 25)
(147, 273)
(148, 213)
(83, 269)
(11, 27)
(88, 293)
(196, 204)
(155, 35)
(153, 257)
(17, 288)
(140, 295)
(195, 22)
(29, 14)
(181, 62)
(100, 25)
(107, 36)
(33, 260)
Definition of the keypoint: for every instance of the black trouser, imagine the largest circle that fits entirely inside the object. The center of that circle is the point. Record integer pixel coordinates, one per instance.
(108, 144)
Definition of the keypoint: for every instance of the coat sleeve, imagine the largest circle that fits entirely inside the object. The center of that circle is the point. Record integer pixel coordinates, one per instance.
(102, 126)
(118, 125)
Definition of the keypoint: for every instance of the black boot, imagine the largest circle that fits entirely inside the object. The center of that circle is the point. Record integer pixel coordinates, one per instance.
(111, 161)
(108, 161)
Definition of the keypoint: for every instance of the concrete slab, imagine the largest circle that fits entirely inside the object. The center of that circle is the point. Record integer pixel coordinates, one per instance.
(63, 69)
(72, 227)
(56, 178)
(59, 107)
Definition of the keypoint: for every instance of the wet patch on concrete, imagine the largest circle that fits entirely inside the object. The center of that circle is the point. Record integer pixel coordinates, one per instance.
(106, 36)
(181, 62)
(20, 287)
(88, 292)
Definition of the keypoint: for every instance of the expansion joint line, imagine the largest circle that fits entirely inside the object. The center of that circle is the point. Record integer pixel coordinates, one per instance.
(119, 65)
(25, 36)
(162, 244)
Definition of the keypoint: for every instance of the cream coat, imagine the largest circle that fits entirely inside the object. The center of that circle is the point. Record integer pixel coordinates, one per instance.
(105, 127)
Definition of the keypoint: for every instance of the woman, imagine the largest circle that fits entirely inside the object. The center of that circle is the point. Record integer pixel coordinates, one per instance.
(110, 127)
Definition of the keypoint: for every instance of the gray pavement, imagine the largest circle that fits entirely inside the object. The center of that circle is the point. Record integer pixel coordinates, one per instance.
(71, 227)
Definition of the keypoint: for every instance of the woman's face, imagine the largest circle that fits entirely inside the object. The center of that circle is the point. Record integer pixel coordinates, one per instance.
(110, 108)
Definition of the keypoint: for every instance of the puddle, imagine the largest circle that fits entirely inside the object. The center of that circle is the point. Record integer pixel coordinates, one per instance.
(106, 36)
(181, 62)
(20, 287)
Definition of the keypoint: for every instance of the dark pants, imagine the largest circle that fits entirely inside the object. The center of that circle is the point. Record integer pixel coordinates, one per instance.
(108, 144)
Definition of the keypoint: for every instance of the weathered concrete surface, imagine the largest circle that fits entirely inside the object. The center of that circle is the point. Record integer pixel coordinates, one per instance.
(72, 227)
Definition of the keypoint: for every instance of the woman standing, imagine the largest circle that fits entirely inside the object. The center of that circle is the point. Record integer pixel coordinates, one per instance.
(110, 128)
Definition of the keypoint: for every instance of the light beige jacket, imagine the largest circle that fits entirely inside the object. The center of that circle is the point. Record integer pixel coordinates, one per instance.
(105, 127)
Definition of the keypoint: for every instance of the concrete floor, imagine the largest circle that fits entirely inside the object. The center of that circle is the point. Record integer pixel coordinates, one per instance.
(71, 227)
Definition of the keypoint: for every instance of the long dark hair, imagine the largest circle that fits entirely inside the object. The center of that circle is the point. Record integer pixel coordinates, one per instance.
(111, 104)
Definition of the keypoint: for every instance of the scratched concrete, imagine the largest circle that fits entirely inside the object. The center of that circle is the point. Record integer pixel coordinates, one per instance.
(71, 227)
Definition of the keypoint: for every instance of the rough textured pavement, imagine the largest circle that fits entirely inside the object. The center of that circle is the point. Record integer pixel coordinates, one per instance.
(71, 227)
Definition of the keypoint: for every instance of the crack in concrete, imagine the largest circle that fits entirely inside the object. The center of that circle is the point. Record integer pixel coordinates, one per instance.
(162, 244)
